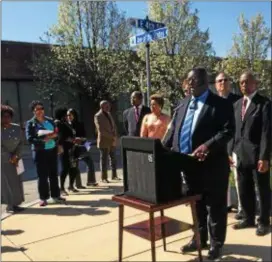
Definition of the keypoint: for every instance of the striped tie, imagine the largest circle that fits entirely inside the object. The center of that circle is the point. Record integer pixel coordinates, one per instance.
(185, 136)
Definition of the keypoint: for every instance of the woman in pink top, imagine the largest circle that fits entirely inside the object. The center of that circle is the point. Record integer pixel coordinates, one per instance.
(154, 125)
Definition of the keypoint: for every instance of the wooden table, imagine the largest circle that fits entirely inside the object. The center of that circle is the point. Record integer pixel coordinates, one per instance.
(157, 228)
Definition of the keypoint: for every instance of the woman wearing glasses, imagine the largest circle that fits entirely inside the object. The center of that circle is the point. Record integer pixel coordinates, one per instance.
(42, 134)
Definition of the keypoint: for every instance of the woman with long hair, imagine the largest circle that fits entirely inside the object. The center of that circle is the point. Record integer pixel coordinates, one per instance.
(80, 150)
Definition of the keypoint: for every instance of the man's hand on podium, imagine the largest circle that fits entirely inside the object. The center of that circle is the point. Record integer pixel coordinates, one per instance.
(201, 152)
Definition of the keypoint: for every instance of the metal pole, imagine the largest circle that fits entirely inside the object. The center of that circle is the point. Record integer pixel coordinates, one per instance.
(51, 105)
(148, 80)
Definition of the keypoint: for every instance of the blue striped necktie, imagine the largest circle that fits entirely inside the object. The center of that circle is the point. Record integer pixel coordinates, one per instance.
(185, 136)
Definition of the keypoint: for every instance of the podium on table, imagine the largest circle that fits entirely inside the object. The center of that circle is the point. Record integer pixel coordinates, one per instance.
(148, 187)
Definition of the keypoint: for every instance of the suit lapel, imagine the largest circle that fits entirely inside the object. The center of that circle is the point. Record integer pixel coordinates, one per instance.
(238, 113)
(182, 109)
(250, 109)
(203, 111)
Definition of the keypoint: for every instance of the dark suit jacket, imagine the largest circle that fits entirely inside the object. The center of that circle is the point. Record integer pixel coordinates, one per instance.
(232, 98)
(214, 128)
(252, 140)
(133, 128)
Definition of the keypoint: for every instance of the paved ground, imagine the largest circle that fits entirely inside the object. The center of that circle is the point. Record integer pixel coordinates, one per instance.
(30, 175)
(86, 230)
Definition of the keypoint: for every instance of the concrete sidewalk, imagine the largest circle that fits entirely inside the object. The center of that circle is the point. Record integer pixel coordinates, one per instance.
(86, 229)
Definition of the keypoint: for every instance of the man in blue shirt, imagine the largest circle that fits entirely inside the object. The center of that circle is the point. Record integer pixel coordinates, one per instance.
(45, 155)
(201, 127)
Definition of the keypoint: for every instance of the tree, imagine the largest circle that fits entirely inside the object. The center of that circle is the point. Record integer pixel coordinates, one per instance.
(90, 54)
(185, 47)
(249, 52)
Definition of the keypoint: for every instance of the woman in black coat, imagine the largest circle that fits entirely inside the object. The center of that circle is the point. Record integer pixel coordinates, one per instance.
(82, 152)
(67, 140)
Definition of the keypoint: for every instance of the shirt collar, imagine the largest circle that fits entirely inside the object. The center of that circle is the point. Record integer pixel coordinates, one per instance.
(250, 97)
(201, 98)
(139, 107)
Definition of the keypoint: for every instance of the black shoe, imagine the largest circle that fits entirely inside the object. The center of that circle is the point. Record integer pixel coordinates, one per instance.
(229, 209)
(73, 189)
(92, 184)
(116, 178)
(18, 209)
(81, 187)
(214, 252)
(192, 246)
(262, 230)
(239, 216)
(63, 193)
(243, 224)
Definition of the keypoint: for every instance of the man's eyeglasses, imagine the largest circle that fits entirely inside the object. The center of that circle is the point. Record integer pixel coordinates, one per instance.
(222, 80)
(39, 109)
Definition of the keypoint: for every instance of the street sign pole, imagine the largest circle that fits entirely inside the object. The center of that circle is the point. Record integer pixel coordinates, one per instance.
(148, 75)
(153, 32)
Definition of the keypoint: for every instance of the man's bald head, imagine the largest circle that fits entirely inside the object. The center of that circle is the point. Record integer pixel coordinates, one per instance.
(136, 98)
(198, 81)
(105, 105)
(248, 83)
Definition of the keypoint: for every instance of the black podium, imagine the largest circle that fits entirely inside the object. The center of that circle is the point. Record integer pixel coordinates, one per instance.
(151, 172)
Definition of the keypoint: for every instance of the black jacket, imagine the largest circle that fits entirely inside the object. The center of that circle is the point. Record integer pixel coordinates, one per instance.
(32, 128)
(252, 139)
(214, 128)
(131, 127)
(232, 98)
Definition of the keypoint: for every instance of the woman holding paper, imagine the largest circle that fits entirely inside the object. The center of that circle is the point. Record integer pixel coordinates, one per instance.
(82, 149)
(12, 193)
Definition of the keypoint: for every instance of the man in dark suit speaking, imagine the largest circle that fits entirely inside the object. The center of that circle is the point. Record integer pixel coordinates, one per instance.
(133, 117)
(202, 126)
(252, 145)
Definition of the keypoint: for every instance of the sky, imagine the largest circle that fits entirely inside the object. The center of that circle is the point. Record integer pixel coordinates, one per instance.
(27, 20)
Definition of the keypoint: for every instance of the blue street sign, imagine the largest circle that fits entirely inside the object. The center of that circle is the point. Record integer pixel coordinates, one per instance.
(149, 36)
(145, 24)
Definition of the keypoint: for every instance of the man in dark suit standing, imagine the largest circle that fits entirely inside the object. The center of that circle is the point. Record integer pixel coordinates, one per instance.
(202, 126)
(223, 88)
(252, 145)
(133, 117)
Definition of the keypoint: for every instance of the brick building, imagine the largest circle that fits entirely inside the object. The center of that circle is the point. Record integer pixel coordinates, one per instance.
(18, 88)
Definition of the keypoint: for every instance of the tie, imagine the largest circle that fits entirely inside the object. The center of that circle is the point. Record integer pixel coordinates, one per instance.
(137, 113)
(185, 136)
(244, 108)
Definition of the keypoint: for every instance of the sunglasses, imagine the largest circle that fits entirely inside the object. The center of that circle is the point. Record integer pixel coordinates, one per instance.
(222, 80)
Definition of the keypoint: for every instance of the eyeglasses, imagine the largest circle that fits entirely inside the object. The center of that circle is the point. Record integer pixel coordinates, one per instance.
(222, 80)
(39, 109)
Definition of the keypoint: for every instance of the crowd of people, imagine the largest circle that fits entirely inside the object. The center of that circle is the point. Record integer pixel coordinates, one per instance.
(222, 131)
